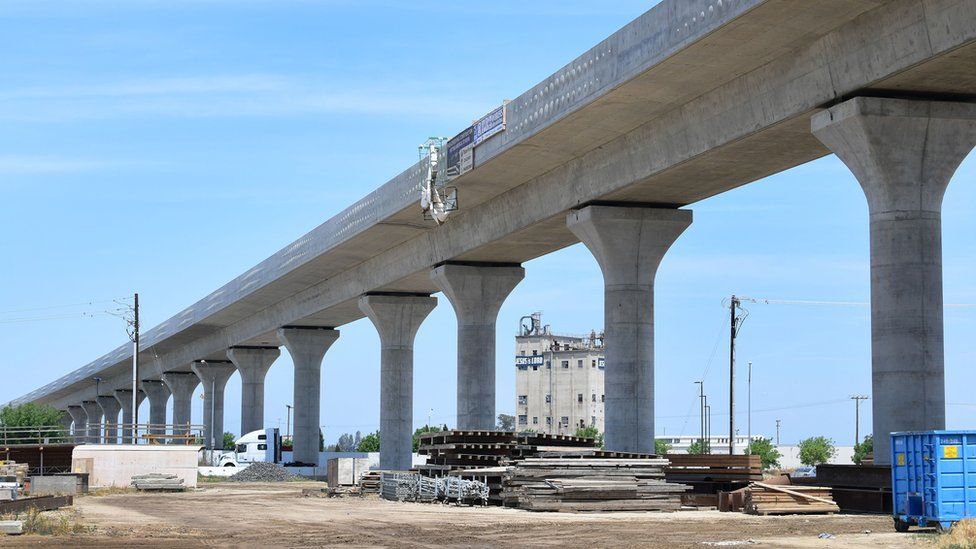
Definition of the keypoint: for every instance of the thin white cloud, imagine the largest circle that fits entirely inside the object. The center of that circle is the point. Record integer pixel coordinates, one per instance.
(230, 96)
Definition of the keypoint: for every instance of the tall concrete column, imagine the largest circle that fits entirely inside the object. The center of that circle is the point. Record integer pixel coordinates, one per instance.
(94, 413)
(181, 385)
(110, 411)
(629, 244)
(476, 293)
(66, 420)
(158, 394)
(80, 420)
(903, 154)
(214, 376)
(253, 364)
(307, 347)
(397, 319)
(124, 396)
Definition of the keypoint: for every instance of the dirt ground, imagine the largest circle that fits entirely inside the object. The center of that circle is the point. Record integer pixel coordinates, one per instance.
(276, 515)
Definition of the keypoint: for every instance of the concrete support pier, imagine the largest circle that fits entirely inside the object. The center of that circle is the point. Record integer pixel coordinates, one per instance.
(181, 385)
(94, 413)
(66, 420)
(253, 364)
(307, 347)
(476, 292)
(124, 396)
(158, 394)
(110, 411)
(629, 243)
(213, 375)
(397, 319)
(903, 153)
(80, 420)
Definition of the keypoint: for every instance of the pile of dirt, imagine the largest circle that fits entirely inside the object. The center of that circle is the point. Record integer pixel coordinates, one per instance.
(263, 472)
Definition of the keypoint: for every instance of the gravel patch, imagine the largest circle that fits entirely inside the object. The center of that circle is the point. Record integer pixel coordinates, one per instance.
(263, 472)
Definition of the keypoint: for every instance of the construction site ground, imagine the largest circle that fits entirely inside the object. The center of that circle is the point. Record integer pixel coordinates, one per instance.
(229, 514)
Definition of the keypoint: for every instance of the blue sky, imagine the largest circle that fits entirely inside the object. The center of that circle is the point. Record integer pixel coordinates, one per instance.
(166, 147)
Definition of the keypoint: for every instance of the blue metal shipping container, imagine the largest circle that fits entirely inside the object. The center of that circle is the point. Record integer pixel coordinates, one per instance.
(933, 478)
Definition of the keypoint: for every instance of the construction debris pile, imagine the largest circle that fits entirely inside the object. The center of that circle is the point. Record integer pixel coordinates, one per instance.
(12, 472)
(160, 482)
(418, 488)
(583, 484)
(262, 471)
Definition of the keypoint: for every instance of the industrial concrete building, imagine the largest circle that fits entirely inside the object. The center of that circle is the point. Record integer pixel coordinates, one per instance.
(690, 100)
(558, 379)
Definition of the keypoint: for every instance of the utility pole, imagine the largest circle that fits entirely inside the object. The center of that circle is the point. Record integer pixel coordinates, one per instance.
(734, 329)
(708, 428)
(135, 370)
(777, 431)
(857, 416)
(701, 412)
(288, 421)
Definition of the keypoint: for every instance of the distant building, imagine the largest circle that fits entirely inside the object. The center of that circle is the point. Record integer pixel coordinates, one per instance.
(558, 379)
(719, 444)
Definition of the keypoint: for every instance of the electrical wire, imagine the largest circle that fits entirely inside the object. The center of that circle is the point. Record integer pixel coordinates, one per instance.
(68, 306)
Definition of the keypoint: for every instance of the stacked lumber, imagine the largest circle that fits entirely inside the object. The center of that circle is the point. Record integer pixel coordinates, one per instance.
(590, 484)
(768, 499)
(711, 472)
(369, 483)
(167, 482)
(448, 451)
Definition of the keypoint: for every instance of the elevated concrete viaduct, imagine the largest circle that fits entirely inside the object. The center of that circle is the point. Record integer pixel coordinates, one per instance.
(692, 99)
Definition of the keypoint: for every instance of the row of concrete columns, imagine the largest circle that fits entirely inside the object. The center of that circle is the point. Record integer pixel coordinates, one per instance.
(902, 152)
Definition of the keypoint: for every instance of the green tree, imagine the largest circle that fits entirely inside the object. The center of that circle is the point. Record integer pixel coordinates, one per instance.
(321, 441)
(591, 432)
(763, 447)
(863, 449)
(229, 439)
(34, 422)
(816, 450)
(697, 448)
(505, 422)
(370, 443)
(422, 430)
(661, 447)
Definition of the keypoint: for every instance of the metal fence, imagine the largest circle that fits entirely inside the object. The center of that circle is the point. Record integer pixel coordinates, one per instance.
(105, 433)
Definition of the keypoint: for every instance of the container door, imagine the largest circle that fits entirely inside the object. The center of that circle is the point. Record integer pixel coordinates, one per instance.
(950, 476)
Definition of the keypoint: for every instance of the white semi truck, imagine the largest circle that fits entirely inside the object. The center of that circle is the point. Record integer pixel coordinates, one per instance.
(263, 445)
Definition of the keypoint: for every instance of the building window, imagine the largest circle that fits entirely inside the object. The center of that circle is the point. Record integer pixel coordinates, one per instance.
(602, 398)
(548, 398)
(548, 365)
(535, 352)
(565, 364)
(593, 397)
(565, 421)
(582, 425)
(523, 420)
(523, 399)
(535, 420)
(523, 352)
(579, 397)
(549, 421)
(535, 368)
(593, 421)
(594, 364)
(579, 363)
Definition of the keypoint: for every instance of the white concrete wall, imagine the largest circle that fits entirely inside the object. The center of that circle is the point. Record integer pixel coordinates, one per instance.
(791, 456)
(116, 464)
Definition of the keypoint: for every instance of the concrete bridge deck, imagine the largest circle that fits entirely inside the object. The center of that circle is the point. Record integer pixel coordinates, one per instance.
(693, 98)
